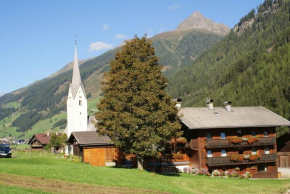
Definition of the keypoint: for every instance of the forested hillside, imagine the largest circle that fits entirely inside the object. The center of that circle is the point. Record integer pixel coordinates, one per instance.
(250, 66)
(28, 108)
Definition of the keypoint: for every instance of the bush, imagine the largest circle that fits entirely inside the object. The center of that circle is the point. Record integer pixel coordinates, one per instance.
(237, 158)
(235, 140)
(254, 157)
(253, 140)
(216, 173)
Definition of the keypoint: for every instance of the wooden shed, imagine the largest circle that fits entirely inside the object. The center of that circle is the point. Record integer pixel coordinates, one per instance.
(94, 149)
(283, 147)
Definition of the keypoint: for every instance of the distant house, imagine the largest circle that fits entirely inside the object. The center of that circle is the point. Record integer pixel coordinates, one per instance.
(93, 149)
(283, 147)
(39, 141)
(226, 138)
(21, 141)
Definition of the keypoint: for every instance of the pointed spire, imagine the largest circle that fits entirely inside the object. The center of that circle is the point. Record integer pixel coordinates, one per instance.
(76, 78)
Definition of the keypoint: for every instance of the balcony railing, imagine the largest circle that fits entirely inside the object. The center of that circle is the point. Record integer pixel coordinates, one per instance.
(222, 143)
(220, 161)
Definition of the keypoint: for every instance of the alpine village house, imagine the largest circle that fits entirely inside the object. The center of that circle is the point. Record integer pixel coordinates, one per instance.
(226, 138)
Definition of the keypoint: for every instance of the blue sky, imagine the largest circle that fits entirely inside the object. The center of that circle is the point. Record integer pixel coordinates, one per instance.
(37, 37)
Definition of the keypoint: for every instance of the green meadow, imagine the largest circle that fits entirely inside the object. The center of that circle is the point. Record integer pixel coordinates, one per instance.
(35, 172)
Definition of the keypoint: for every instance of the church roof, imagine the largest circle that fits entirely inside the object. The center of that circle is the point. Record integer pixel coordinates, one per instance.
(76, 77)
(205, 118)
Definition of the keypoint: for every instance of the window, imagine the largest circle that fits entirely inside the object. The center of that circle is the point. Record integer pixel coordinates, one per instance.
(262, 168)
(266, 133)
(209, 153)
(240, 133)
(208, 135)
(267, 151)
(241, 151)
(223, 135)
(253, 133)
(254, 151)
(224, 153)
(80, 103)
(80, 113)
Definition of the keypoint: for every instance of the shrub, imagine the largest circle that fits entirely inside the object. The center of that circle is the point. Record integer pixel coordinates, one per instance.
(237, 158)
(187, 170)
(254, 157)
(247, 175)
(216, 173)
(195, 171)
(253, 140)
(235, 140)
(223, 173)
(235, 174)
(204, 172)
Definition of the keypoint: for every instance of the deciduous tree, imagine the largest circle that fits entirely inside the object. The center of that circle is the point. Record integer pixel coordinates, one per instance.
(136, 112)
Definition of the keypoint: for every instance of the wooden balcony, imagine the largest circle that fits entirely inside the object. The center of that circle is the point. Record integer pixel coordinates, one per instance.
(223, 143)
(222, 161)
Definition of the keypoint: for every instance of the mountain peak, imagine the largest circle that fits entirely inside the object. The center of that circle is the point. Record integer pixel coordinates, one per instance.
(199, 22)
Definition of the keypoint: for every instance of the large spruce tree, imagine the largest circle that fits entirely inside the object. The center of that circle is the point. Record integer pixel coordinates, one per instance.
(136, 112)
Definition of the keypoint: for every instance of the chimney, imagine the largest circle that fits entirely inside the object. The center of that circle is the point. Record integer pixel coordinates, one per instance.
(228, 105)
(209, 103)
(178, 103)
(47, 134)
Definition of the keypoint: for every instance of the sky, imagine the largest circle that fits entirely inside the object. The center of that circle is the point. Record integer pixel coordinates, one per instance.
(37, 37)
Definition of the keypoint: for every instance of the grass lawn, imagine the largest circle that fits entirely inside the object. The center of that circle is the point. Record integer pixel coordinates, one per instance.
(60, 171)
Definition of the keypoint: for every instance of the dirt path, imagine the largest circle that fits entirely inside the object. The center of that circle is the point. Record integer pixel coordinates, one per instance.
(57, 186)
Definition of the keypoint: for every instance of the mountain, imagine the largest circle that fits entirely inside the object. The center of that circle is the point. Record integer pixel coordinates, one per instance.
(249, 67)
(1, 94)
(41, 106)
(199, 22)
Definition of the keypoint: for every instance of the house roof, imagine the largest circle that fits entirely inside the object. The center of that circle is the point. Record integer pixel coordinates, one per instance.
(89, 138)
(219, 117)
(43, 138)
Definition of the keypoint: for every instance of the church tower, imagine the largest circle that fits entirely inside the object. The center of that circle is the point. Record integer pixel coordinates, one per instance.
(76, 102)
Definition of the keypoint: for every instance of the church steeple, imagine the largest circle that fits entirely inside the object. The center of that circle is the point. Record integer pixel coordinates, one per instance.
(76, 78)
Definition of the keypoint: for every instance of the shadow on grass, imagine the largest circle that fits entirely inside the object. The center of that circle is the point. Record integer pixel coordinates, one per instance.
(172, 174)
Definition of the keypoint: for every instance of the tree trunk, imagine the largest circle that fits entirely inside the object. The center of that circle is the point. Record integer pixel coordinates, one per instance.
(140, 162)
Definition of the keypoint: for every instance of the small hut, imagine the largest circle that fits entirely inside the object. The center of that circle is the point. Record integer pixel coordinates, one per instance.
(93, 149)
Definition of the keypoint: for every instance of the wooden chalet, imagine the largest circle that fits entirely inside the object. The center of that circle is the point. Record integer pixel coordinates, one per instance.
(39, 141)
(226, 138)
(283, 146)
(94, 149)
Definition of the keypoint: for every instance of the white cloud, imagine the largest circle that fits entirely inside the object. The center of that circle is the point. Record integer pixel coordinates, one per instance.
(120, 36)
(174, 7)
(96, 46)
(106, 27)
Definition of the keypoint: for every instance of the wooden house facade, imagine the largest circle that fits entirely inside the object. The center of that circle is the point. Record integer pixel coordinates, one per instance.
(240, 139)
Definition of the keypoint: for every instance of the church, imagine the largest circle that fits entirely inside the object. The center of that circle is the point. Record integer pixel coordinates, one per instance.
(77, 116)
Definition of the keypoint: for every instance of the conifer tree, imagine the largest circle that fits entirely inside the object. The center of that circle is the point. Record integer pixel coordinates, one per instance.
(136, 112)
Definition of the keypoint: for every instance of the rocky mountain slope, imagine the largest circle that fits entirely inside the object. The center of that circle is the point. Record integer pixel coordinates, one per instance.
(45, 100)
(199, 22)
